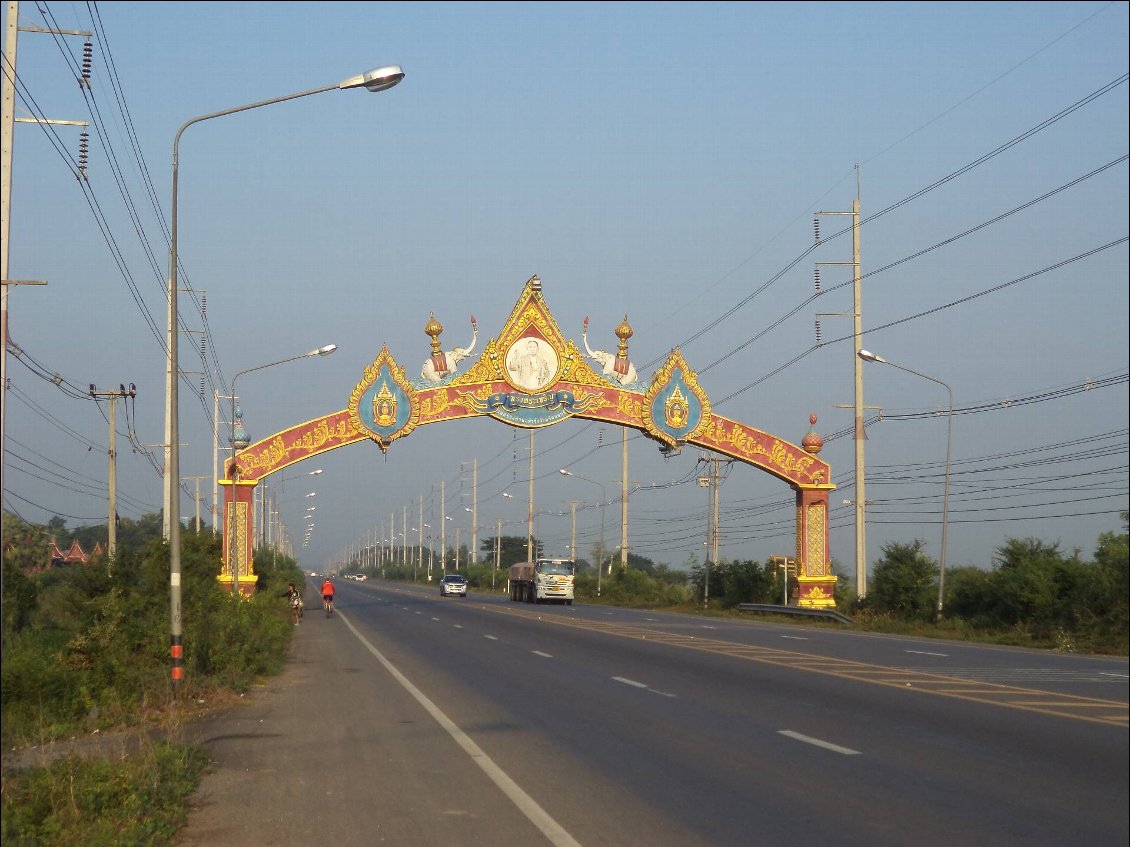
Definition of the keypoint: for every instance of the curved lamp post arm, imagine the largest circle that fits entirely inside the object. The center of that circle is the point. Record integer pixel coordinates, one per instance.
(321, 351)
(868, 356)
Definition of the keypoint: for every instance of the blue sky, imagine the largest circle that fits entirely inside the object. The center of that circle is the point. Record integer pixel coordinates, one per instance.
(662, 161)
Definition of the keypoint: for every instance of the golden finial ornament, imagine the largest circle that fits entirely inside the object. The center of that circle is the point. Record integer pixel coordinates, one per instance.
(812, 442)
(433, 328)
(624, 331)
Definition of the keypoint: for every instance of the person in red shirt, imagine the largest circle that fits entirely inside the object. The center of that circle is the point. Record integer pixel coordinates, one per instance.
(328, 595)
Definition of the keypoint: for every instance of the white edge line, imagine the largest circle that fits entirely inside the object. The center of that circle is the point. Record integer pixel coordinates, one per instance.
(540, 653)
(630, 682)
(827, 745)
(538, 816)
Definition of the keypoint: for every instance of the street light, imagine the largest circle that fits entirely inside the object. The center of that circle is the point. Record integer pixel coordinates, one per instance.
(603, 503)
(320, 351)
(378, 79)
(281, 484)
(868, 356)
(283, 479)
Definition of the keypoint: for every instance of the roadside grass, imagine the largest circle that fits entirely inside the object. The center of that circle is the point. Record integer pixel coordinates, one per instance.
(92, 731)
(100, 802)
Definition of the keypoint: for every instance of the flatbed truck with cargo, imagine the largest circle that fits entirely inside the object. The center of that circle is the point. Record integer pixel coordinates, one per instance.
(542, 581)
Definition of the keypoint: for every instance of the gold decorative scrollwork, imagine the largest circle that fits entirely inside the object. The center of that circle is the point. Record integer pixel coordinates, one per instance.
(814, 561)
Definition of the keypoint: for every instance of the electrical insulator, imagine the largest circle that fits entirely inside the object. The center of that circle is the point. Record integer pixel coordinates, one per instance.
(818, 333)
(87, 54)
(202, 348)
(816, 229)
(203, 304)
(816, 278)
(201, 386)
(83, 153)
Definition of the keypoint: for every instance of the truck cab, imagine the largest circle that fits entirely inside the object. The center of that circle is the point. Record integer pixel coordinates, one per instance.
(544, 580)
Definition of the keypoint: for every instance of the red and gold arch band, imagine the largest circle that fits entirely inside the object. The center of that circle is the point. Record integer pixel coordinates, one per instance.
(672, 409)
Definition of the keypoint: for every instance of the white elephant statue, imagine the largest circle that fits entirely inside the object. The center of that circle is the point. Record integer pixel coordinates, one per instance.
(442, 364)
(624, 372)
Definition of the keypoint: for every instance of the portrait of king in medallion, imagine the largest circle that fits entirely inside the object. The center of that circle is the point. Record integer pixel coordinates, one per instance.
(531, 364)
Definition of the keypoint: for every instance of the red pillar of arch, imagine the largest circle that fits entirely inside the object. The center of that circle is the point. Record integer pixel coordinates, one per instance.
(814, 566)
(239, 519)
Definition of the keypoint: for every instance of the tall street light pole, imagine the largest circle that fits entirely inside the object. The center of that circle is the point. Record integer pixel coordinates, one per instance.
(236, 446)
(378, 79)
(868, 356)
(603, 503)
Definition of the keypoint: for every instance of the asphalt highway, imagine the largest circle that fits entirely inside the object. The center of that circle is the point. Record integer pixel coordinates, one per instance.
(411, 719)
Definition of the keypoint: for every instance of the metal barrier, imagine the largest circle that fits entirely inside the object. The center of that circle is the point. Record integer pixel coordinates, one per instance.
(799, 611)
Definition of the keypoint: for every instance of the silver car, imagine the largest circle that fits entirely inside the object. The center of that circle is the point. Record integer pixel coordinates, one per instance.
(453, 584)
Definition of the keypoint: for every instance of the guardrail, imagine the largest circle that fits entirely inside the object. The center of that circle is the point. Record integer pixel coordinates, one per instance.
(799, 611)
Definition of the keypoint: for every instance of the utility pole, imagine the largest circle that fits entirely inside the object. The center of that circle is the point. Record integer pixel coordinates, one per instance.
(857, 363)
(8, 120)
(714, 522)
(712, 536)
(707, 483)
(112, 472)
(216, 397)
(474, 510)
(573, 504)
(623, 504)
(442, 529)
(197, 479)
(787, 566)
(530, 513)
(497, 552)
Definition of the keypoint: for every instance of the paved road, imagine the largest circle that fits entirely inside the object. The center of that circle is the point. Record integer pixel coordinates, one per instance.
(410, 720)
(332, 752)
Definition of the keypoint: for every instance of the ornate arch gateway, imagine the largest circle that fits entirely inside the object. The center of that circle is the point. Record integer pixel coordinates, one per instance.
(532, 376)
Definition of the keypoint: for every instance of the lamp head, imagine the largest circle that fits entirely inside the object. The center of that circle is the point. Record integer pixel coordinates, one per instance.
(868, 356)
(564, 472)
(378, 79)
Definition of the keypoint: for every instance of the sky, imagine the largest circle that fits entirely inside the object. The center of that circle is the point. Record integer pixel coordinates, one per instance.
(659, 161)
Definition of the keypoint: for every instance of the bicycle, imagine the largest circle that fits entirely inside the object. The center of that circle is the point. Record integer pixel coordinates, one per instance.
(328, 604)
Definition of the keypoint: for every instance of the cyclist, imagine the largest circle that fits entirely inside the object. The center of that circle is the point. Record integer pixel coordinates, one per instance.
(294, 596)
(328, 595)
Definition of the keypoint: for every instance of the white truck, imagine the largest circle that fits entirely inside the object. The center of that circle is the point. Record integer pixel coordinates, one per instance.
(543, 581)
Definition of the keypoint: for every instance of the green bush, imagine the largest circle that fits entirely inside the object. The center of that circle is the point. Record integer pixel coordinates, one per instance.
(102, 802)
(94, 651)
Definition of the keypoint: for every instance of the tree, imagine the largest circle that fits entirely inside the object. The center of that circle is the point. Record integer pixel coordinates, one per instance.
(1109, 616)
(747, 582)
(1036, 585)
(513, 550)
(903, 582)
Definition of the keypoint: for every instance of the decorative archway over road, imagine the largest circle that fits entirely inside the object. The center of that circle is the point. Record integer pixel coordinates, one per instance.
(532, 376)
